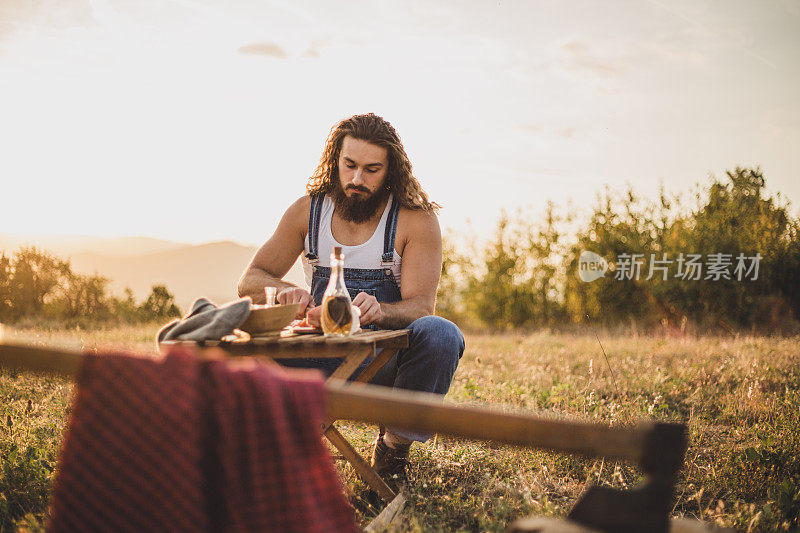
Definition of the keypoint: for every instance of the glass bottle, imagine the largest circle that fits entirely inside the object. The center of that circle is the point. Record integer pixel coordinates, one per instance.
(337, 308)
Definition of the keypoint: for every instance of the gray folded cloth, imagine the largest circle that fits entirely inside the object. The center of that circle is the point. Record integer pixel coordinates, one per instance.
(206, 321)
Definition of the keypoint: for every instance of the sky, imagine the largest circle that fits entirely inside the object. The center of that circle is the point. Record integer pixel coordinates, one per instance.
(197, 121)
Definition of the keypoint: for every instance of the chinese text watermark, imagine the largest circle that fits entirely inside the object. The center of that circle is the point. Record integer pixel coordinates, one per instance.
(690, 267)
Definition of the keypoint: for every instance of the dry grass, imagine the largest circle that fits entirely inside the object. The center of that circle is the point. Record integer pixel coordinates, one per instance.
(740, 397)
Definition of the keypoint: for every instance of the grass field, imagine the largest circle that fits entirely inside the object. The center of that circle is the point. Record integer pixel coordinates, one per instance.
(740, 397)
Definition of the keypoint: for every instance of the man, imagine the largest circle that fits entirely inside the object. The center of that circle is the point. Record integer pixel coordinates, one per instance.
(364, 198)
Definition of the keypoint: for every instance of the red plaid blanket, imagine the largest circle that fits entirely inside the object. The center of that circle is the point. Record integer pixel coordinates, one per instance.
(183, 444)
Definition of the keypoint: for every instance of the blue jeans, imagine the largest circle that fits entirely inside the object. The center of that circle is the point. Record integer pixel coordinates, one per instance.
(435, 346)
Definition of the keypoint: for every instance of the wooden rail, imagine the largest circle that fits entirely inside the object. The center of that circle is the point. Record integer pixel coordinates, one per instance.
(423, 412)
(657, 448)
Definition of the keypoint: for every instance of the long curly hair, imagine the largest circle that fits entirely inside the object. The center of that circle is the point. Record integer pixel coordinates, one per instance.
(373, 129)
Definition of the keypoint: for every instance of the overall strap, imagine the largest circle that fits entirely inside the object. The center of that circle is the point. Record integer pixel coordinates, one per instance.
(313, 228)
(388, 239)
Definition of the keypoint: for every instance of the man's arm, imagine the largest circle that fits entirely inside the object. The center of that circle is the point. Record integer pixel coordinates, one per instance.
(422, 266)
(274, 259)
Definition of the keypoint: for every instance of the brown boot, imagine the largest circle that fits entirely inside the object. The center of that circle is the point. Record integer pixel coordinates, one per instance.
(391, 463)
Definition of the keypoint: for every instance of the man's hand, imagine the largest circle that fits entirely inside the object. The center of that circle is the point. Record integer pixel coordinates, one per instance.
(314, 317)
(370, 307)
(295, 295)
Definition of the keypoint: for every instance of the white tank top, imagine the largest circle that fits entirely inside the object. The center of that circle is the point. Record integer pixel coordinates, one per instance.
(365, 256)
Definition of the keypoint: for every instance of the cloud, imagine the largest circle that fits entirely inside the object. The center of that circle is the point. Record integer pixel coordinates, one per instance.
(610, 58)
(551, 133)
(566, 133)
(313, 50)
(23, 15)
(530, 128)
(792, 6)
(263, 49)
(730, 37)
(580, 56)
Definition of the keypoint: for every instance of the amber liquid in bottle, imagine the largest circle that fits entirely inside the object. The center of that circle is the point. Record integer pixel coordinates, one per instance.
(337, 315)
(337, 310)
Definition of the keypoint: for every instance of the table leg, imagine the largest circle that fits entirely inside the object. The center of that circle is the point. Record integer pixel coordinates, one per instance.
(351, 362)
(363, 468)
(375, 365)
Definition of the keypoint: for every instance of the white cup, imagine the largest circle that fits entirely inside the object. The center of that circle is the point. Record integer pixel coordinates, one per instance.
(271, 294)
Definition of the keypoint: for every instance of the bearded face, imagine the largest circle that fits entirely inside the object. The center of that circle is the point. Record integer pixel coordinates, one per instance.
(356, 203)
(363, 172)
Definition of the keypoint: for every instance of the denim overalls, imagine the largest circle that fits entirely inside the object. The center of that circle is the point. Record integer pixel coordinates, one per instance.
(377, 282)
(435, 344)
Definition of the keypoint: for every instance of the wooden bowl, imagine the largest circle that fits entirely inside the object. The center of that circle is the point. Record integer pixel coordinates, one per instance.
(269, 320)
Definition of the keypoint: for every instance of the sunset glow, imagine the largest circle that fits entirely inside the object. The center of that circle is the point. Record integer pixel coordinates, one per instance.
(198, 121)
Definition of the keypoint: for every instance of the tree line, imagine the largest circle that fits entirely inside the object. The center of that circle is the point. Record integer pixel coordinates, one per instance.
(729, 260)
(39, 287)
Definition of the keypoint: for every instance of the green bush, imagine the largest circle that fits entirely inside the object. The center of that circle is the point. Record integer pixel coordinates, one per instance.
(527, 274)
(39, 288)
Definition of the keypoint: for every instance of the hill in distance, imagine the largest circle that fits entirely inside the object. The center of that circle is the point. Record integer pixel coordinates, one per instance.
(209, 270)
(67, 245)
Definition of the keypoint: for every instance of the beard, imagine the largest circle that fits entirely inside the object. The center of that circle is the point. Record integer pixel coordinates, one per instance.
(358, 209)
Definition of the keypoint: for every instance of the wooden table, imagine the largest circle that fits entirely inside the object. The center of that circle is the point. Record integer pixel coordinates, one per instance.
(354, 349)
